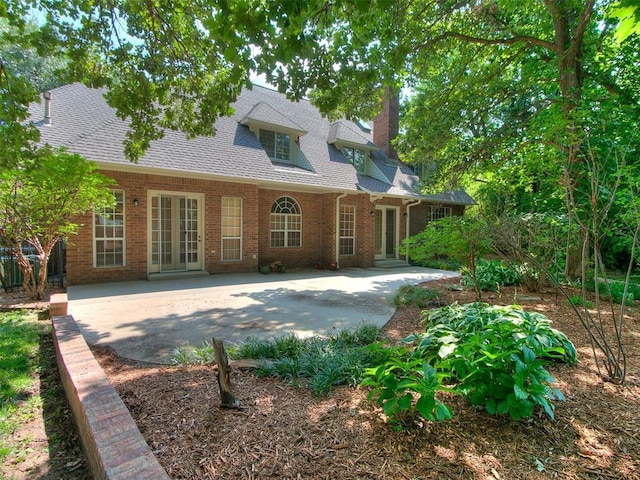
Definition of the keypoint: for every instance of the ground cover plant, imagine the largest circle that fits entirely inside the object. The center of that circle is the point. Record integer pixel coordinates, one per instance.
(491, 275)
(320, 363)
(615, 290)
(417, 296)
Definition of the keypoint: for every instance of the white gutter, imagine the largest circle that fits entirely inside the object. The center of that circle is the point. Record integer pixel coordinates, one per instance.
(342, 195)
(408, 221)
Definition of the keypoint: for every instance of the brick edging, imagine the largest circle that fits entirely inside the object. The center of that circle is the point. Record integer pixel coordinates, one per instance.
(114, 446)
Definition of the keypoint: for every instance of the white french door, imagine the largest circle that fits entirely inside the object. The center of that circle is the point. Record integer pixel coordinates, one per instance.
(386, 233)
(175, 232)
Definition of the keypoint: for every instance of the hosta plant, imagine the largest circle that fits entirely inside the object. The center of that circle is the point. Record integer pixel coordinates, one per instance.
(404, 385)
(496, 355)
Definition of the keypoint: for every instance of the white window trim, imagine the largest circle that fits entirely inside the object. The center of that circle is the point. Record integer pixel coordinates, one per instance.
(352, 209)
(292, 145)
(223, 237)
(442, 212)
(286, 229)
(123, 238)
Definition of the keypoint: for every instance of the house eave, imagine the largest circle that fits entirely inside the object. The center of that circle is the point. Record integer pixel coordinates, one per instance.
(252, 123)
(379, 195)
(264, 184)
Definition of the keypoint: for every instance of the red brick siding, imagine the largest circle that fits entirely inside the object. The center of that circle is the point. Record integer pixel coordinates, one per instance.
(318, 228)
(419, 215)
(80, 268)
(310, 252)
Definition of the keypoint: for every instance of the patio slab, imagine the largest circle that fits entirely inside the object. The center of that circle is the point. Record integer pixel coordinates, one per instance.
(145, 320)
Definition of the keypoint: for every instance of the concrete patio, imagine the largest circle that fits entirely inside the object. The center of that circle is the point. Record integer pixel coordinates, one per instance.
(146, 320)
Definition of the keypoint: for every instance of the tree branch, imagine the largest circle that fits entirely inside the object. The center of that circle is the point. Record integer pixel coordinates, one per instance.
(576, 40)
(500, 41)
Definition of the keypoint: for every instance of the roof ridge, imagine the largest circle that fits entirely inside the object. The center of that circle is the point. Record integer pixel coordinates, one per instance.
(347, 126)
(85, 135)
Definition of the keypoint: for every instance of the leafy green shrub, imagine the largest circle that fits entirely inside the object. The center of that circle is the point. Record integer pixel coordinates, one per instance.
(439, 263)
(576, 299)
(615, 292)
(492, 355)
(497, 355)
(491, 275)
(396, 384)
(464, 239)
(415, 295)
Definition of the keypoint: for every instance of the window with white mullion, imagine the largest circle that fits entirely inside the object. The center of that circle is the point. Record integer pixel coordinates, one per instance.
(276, 144)
(109, 234)
(436, 213)
(286, 223)
(231, 229)
(356, 156)
(347, 229)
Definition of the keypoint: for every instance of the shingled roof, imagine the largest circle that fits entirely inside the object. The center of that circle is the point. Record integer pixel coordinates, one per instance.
(84, 123)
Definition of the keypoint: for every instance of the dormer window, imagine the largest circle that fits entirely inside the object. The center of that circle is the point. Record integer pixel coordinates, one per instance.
(276, 144)
(357, 157)
(278, 135)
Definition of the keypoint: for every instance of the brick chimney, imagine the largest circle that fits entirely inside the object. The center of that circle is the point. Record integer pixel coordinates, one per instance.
(387, 124)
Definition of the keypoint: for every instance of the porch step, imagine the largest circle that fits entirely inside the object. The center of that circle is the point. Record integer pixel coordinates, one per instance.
(391, 263)
(176, 275)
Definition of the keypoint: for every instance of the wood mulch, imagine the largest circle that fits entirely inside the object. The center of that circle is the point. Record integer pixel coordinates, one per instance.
(286, 432)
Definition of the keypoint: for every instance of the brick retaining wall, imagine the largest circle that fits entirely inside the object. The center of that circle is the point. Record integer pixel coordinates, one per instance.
(114, 446)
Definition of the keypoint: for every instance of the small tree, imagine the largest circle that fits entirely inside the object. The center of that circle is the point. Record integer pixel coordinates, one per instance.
(39, 202)
(464, 239)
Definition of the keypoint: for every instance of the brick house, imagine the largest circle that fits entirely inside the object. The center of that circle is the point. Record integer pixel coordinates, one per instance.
(278, 182)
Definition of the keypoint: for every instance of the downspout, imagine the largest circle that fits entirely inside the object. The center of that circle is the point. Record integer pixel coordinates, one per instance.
(408, 222)
(342, 195)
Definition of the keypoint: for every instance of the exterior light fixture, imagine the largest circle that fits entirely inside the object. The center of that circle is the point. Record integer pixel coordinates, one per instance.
(135, 202)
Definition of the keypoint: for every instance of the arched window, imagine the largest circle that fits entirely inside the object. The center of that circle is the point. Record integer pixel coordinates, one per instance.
(286, 223)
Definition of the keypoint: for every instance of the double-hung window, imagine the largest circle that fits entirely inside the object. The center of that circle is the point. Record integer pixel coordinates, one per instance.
(276, 144)
(108, 234)
(347, 229)
(231, 229)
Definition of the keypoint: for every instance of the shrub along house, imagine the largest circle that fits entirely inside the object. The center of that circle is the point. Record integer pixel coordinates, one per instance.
(278, 182)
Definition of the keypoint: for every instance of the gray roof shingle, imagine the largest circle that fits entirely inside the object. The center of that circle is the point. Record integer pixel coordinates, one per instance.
(84, 123)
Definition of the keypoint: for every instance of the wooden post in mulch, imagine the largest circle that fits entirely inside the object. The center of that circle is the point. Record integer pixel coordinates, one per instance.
(227, 398)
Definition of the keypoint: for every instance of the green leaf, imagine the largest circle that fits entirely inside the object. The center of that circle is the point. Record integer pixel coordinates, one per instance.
(446, 350)
(390, 407)
(404, 402)
(425, 405)
(520, 392)
(443, 412)
(491, 406)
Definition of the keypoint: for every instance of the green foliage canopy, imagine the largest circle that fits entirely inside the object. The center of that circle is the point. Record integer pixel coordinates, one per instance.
(40, 203)
(179, 64)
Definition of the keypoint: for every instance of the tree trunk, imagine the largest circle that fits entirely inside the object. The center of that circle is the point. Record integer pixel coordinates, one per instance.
(227, 398)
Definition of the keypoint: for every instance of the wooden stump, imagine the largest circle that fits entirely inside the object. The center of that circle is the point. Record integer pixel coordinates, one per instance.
(227, 398)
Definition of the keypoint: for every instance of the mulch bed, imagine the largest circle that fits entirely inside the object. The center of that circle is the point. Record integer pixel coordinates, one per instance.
(286, 432)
